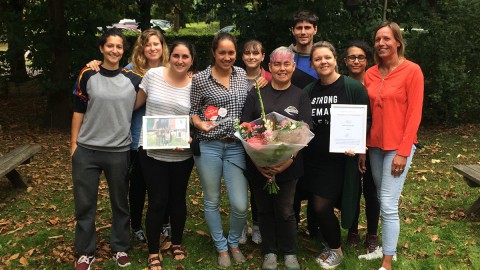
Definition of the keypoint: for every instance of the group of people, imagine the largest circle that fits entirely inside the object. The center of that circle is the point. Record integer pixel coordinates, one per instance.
(302, 83)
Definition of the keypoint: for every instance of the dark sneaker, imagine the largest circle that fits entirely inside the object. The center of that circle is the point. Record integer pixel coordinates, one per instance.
(353, 239)
(84, 262)
(122, 259)
(140, 236)
(371, 242)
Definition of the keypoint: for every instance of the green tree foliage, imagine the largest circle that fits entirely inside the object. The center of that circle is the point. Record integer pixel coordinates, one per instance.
(448, 55)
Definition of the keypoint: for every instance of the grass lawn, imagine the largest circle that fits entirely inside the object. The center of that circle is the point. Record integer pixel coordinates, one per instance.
(37, 225)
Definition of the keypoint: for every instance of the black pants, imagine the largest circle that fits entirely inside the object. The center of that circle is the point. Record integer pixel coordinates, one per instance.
(372, 206)
(253, 204)
(166, 188)
(137, 192)
(303, 193)
(276, 217)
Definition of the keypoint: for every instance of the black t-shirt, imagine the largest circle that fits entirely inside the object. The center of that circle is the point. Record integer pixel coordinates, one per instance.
(293, 103)
(322, 97)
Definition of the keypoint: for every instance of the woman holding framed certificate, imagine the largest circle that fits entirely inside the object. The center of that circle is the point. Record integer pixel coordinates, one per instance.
(395, 89)
(166, 91)
(331, 176)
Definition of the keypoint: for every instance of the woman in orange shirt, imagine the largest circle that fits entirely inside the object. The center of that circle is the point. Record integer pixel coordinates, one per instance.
(395, 89)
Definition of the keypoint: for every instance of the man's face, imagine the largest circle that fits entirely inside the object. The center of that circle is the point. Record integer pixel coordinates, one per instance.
(304, 32)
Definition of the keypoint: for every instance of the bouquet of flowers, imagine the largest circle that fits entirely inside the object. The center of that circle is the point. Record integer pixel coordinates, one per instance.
(272, 139)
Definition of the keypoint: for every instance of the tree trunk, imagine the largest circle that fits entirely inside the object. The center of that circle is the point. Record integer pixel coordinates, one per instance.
(16, 40)
(59, 105)
(145, 6)
(176, 22)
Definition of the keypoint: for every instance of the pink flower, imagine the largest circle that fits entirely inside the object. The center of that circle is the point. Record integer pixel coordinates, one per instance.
(256, 140)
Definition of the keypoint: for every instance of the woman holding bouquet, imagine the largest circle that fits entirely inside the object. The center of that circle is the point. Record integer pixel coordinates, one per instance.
(223, 88)
(275, 211)
(331, 176)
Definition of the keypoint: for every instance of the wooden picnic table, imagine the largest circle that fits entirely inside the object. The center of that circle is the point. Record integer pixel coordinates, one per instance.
(11, 160)
(471, 175)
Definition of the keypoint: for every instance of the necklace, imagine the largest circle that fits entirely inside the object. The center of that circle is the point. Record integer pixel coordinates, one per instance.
(384, 71)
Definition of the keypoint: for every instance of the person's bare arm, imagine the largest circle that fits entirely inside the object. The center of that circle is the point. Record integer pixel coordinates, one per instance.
(77, 120)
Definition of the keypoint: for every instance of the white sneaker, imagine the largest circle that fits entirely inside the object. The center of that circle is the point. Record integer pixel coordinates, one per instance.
(376, 254)
(334, 259)
(256, 235)
(243, 237)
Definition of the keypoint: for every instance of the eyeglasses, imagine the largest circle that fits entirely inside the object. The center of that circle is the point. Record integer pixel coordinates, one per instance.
(360, 58)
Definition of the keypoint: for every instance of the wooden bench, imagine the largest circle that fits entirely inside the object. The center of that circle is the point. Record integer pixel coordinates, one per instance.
(10, 161)
(471, 175)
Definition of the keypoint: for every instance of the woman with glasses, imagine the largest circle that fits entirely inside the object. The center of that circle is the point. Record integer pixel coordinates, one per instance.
(395, 88)
(331, 176)
(356, 59)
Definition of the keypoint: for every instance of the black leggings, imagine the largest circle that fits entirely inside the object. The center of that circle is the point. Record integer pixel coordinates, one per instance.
(372, 206)
(329, 225)
(166, 188)
(137, 192)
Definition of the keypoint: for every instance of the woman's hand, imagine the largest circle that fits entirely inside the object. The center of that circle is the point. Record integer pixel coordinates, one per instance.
(205, 126)
(361, 163)
(73, 147)
(280, 167)
(262, 82)
(398, 165)
(350, 153)
(94, 64)
(265, 172)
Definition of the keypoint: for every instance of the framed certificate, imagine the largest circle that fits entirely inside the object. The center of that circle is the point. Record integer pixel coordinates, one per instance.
(166, 132)
(348, 128)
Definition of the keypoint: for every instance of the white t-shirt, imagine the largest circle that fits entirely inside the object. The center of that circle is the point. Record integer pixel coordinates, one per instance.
(165, 99)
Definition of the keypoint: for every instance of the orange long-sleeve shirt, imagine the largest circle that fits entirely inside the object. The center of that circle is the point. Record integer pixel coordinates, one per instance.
(396, 102)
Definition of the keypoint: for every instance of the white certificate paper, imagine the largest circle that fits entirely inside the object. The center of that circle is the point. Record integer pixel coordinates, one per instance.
(348, 128)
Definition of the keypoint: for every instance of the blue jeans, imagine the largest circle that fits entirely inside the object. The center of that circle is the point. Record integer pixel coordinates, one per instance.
(219, 159)
(389, 189)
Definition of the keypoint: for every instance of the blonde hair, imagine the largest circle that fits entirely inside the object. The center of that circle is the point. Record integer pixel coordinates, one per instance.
(397, 34)
(138, 60)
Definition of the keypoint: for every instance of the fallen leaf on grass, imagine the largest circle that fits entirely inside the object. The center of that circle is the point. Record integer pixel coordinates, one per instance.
(200, 232)
(54, 221)
(29, 189)
(405, 246)
(434, 237)
(435, 161)
(56, 236)
(23, 261)
(199, 260)
(15, 256)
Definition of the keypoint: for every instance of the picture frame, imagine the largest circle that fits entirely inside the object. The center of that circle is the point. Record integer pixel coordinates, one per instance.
(166, 132)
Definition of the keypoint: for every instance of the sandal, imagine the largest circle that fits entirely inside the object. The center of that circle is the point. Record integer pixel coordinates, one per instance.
(154, 262)
(178, 252)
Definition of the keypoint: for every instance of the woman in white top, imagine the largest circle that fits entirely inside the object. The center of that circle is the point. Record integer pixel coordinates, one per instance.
(166, 91)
